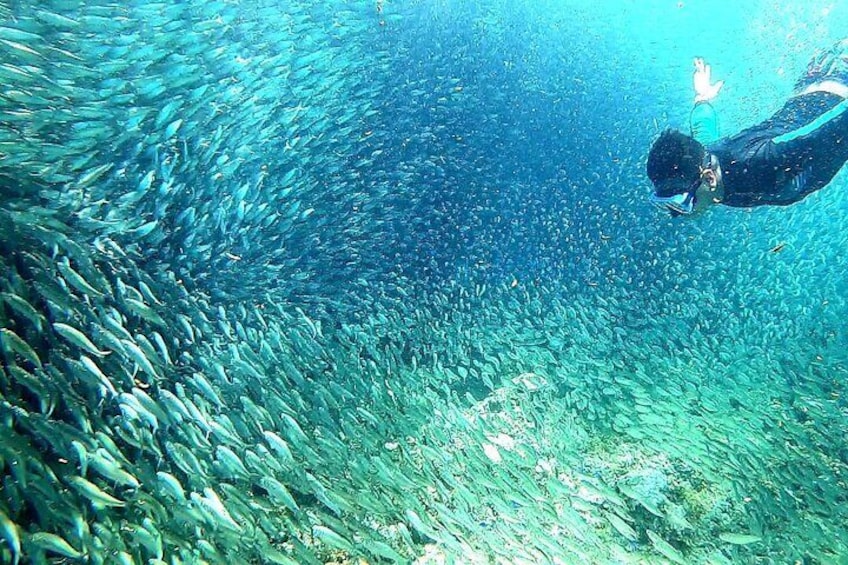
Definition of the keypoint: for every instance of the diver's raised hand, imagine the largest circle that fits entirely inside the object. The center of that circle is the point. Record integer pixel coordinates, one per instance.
(704, 91)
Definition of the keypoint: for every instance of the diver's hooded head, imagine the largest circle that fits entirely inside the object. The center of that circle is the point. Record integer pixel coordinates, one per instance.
(674, 163)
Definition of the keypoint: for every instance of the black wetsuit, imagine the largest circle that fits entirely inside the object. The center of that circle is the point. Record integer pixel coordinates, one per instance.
(785, 158)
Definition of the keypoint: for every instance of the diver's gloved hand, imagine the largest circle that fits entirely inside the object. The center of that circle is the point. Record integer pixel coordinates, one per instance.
(704, 91)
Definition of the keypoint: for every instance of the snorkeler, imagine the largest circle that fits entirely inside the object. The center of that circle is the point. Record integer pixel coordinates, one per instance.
(777, 162)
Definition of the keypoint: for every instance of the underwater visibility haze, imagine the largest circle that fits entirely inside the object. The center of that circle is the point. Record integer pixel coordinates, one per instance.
(304, 282)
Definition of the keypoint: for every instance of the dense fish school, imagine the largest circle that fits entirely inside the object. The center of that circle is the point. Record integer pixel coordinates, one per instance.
(297, 283)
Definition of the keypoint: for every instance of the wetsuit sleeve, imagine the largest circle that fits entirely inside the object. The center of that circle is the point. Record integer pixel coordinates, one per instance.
(703, 123)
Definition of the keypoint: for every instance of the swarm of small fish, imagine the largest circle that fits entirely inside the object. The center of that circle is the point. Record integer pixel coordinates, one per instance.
(210, 353)
(144, 145)
(215, 138)
(132, 432)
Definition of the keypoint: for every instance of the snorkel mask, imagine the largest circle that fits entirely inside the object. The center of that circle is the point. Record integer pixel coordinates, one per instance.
(683, 203)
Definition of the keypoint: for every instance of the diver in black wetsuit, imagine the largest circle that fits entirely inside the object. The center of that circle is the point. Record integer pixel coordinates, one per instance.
(777, 162)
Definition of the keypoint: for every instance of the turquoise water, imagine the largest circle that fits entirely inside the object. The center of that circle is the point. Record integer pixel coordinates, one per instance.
(379, 282)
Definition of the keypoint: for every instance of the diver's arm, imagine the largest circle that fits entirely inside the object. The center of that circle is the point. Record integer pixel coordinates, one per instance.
(703, 120)
(703, 123)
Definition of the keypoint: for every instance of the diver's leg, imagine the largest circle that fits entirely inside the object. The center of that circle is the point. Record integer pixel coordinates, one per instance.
(826, 65)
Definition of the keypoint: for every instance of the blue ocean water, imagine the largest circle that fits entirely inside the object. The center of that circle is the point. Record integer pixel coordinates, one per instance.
(338, 282)
(579, 91)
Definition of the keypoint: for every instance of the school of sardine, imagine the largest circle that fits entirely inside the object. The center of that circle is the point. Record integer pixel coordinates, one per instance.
(213, 353)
